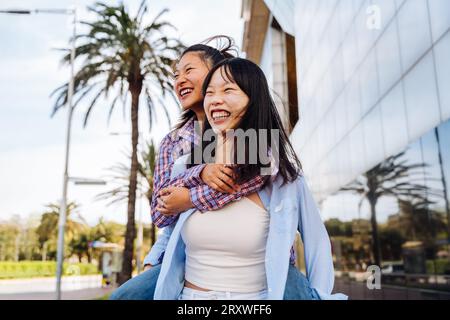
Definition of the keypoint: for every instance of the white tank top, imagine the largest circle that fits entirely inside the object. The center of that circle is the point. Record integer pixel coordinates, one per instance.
(225, 249)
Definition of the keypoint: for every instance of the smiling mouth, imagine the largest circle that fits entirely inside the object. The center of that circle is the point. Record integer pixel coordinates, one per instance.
(220, 115)
(185, 92)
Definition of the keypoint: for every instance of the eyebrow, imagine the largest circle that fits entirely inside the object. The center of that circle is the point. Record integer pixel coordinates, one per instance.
(185, 67)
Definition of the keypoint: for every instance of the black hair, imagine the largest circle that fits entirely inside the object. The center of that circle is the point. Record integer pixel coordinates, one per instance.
(261, 114)
(211, 56)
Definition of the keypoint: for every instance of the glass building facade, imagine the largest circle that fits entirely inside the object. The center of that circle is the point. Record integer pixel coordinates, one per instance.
(373, 132)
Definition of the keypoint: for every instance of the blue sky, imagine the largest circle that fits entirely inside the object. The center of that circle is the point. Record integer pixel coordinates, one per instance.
(32, 143)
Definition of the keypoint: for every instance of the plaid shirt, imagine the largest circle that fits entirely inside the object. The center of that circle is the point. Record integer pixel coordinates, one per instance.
(204, 198)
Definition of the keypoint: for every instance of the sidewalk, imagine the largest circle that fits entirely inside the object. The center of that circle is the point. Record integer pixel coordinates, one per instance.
(359, 291)
(85, 294)
(72, 287)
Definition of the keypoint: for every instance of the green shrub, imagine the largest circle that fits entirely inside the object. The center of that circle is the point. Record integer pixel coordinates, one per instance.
(33, 269)
(438, 266)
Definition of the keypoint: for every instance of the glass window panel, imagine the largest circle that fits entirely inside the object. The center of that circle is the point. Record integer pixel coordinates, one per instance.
(414, 31)
(373, 137)
(369, 82)
(365, 36)
(440, 17)
(349, 48)
(353, 102)
(388, 55)
(387, 10)
(421, 98)
(395, 128)
(433, 178)
(330, 125)
(345, 15)
(357, 150)
(442, 54)
(340, 117)
(444, 137)
(444, 142)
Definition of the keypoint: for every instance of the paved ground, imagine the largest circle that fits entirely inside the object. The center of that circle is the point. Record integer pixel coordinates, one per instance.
(43, 289)
(358, 291)
(48, 284)
(73, 288)
(85, 294)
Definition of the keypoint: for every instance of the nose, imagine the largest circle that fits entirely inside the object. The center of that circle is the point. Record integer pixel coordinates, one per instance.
(215, 100)
(179, 81)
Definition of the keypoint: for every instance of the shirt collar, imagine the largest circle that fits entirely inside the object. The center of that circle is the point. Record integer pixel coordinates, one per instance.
(185, 132)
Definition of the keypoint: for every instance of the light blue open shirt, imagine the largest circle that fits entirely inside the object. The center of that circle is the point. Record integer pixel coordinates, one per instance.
(291, 207)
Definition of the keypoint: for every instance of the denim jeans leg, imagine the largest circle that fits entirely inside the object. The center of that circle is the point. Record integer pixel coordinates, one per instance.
(141, 287)
(298, 287)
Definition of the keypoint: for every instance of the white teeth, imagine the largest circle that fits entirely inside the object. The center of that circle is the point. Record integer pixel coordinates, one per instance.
(218, 115)
(185, 91)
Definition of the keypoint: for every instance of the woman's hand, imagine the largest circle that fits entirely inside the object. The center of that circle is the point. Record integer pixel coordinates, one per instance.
(219, 177)
(174, 200)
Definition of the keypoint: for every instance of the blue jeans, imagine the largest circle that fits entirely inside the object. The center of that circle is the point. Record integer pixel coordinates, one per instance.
(298, 287)
(142, 287)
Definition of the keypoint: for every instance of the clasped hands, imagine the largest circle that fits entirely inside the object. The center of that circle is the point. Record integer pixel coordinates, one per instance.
(173, 200)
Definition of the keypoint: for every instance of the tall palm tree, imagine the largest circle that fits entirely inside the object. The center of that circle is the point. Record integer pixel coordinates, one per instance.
(392, 177)
(120, 53)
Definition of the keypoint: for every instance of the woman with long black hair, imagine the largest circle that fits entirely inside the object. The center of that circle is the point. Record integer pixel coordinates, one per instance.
(242, 250)
(214, 185)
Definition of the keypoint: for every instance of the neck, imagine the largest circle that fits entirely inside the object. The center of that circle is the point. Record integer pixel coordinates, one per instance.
(224, 150)
(199, 112)
(200, 115)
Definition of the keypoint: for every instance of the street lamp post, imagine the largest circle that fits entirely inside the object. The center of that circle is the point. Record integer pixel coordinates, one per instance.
(63, 207)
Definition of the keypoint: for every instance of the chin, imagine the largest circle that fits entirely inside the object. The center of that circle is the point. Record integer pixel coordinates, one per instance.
(217, 130)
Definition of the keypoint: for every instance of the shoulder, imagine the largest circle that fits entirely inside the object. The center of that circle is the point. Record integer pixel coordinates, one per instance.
(168, 140)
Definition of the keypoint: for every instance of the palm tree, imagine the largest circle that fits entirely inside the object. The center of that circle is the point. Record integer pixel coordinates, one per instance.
(48, 227)
(392, 177)
(120, 53)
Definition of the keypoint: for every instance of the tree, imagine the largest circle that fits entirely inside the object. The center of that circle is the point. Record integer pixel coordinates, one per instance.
(392, 177)
(121, 53)
(48, 227)
(80, 245)
(337, 228)
(419, 222)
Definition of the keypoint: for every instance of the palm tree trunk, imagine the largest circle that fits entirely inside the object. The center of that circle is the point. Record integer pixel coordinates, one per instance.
(153, 227)
(153, 234)
(127, 262)
(375, 239)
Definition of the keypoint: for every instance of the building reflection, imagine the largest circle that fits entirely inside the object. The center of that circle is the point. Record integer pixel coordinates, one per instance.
(363, 89)
(412, 227)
